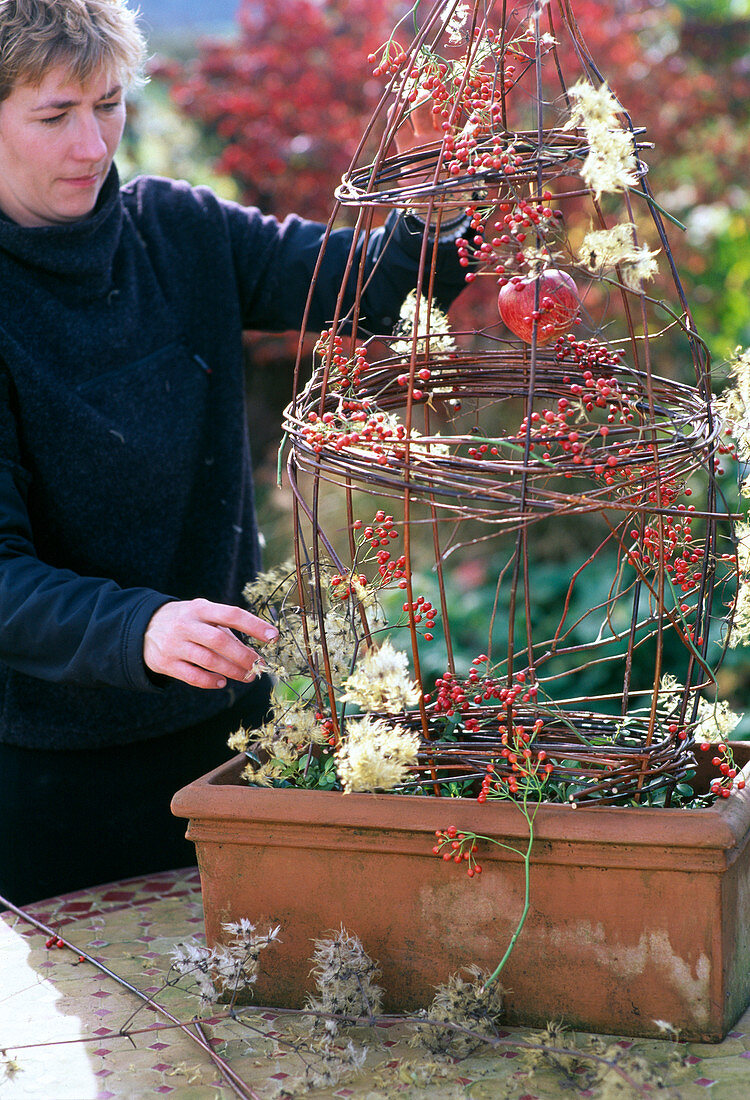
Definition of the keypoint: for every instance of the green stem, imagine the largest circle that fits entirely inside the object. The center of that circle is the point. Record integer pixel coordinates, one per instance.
(280, 459)
(527, 878)
(652, 202)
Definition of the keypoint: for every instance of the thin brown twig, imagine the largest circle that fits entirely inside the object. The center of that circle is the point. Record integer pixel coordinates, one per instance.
(232, 1078)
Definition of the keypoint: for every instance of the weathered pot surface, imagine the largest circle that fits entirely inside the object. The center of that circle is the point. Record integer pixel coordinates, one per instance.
(637, 915)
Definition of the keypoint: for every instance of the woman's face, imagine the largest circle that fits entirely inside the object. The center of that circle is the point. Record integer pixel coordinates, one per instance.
(57, 142)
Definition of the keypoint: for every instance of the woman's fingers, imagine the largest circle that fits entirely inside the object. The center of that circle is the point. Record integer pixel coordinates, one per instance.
(241, 665)
(417, 127)
(193, 641)
(234, 617)
(424, 122)
(221, 641)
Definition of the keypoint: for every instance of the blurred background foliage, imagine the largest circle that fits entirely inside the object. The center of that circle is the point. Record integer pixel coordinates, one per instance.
(268, 109)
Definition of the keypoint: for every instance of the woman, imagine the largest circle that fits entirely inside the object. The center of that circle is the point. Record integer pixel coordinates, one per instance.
(127, 524)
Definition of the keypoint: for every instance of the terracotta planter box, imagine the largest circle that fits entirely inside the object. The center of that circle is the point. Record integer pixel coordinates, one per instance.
(636, 915)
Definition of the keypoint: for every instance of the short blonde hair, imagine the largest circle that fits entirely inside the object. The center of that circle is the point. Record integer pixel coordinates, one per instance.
(84, 35)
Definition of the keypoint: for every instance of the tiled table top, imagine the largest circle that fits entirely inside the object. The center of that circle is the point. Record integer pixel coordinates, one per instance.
(70, 1032)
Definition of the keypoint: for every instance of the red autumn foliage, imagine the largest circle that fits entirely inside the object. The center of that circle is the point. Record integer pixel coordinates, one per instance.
(292, 95)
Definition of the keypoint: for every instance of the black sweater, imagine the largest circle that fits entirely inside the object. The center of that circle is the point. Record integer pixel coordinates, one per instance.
(125, 472)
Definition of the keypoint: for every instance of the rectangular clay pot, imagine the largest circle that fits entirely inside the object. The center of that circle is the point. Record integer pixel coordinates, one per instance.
(636, 914)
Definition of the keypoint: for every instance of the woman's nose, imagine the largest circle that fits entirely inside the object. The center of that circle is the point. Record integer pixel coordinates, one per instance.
(89, 144)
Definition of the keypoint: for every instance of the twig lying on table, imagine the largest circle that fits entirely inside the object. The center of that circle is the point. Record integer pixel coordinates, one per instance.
(234, 1081)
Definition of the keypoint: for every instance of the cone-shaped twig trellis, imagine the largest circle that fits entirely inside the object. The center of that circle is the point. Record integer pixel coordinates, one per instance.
(415, 452)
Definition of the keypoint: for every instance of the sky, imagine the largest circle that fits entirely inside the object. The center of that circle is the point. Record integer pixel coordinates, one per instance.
(161, 15)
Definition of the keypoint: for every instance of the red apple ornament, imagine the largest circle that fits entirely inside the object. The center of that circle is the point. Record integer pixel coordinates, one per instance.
(558, 305)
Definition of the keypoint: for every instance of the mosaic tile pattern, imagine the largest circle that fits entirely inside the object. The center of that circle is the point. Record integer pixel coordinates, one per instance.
(62, 1025)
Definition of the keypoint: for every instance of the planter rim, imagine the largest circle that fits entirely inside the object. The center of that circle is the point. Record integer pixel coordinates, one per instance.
(219, 795)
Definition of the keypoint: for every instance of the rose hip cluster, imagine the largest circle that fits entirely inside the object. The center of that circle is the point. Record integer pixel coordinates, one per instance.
(504, 255)
(556, 431)
(669, 539)
(424, 375)
(354, 424)
(465, 155)
(519, 761)
(345, 585)
(723, 785)
(380, 534)
(453, 695)
(455, 847)
(458, 95)
(421, 610)
(329, 728)
(457, 92)
(376, 540)
(345, 371)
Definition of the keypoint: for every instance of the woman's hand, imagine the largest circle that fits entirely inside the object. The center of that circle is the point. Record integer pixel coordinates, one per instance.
(193, 641)
(418, 127)
(421, 127)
